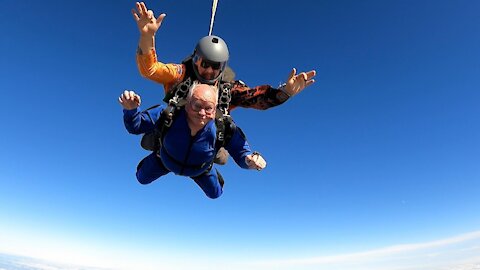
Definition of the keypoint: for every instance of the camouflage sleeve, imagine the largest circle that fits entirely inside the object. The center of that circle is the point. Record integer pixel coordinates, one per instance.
(261, 97)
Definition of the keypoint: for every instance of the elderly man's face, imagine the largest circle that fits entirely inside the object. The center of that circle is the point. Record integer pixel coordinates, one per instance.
(202, 105)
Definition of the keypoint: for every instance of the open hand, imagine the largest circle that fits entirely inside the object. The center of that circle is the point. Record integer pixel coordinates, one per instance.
(296, 83)
(146, 22)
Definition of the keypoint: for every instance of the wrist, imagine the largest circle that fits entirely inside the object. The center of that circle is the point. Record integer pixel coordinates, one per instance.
(147, 39)
(282, 94)
(283, 88)
(147, 34)
(146, 44)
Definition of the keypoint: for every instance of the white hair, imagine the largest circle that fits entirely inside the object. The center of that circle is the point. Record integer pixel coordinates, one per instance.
(194, 85)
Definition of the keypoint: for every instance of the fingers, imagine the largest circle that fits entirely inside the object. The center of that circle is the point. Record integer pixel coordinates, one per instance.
(304, 79)
(311, 74)
(260, 163)
(292, 74)
(250, 159)
(302, 76)
(129, 100)
(143, 11)
(129, 96)
(139, 9)
(145, 18)
(142, 8)
(256, 161)
(137, 100)
(150, 15)
(160, 18)
(310, 82)
(135, 15)
(306, 75)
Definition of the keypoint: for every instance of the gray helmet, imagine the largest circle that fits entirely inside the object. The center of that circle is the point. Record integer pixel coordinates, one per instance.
(214, 50)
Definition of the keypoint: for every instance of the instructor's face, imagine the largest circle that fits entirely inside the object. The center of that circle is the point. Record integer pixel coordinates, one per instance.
(208, 70)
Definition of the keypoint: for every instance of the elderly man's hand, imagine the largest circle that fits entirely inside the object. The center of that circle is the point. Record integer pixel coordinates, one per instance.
(129, 100)
(296, 83)
(146, 22)
(255, 161)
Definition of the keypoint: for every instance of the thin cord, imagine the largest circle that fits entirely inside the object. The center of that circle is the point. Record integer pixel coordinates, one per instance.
(214, 10)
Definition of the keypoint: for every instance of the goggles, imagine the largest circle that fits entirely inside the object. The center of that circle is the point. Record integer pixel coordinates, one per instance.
(197, 106)
(204, 63)
(214, 65)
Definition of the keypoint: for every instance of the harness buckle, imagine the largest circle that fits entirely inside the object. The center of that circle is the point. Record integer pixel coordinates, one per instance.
(221, 136)
(168, 115)
(173, 102)
(168, 122)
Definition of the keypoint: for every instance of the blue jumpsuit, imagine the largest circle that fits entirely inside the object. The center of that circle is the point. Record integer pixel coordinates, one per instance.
(182, 153)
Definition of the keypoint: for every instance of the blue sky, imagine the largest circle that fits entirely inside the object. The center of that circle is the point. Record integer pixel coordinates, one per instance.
(382, 151)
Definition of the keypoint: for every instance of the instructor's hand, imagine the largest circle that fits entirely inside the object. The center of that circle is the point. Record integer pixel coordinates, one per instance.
(296, 83)
(146, 21)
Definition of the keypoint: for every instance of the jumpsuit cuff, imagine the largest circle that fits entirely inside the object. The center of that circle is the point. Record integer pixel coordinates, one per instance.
(130, 113)
(244, 164)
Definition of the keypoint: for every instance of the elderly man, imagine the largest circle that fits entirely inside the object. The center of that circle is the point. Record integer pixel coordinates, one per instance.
(188, 146)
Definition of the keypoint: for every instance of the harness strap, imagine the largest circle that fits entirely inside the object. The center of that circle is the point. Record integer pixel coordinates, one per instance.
(180, 92)
(225, 129)
(224, 96)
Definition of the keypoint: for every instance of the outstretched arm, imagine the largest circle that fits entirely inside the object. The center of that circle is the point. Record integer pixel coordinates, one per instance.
(240, 151)
(147, 63)
(265, 96)
(147, 25)
(136, 121)
(261, 97)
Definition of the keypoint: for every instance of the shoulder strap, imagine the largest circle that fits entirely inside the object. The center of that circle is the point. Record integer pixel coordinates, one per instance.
(225, 129)
(224, 96)
(179, 92)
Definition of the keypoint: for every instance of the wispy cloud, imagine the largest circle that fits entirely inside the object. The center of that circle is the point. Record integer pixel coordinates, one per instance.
(435, 254)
